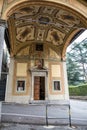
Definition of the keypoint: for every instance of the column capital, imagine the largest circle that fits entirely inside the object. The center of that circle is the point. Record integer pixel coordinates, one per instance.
(63, 60)
(3, 23)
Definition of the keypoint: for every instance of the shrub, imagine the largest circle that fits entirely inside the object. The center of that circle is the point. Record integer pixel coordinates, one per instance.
(78, 91)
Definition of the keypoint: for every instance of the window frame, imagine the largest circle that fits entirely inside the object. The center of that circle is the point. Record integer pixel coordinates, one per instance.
(39, 47)
(20, 79)
(53, 84)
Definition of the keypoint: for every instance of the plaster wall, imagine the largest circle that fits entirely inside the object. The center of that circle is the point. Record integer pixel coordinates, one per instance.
(1, 5)
(24, 97)
(11, 94)
(58, 74)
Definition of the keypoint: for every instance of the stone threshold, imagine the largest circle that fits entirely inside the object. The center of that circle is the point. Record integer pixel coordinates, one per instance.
(42, 102)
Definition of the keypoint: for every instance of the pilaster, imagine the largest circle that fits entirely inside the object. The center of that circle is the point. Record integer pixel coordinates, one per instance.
(10, 78)
(65, 81)
(2, 29)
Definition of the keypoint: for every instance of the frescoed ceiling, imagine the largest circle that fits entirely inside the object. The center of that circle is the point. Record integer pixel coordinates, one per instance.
(83, 2)
(42, 23)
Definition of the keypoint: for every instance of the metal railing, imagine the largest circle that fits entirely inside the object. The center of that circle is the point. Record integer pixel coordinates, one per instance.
(58, 118)
(47, 113)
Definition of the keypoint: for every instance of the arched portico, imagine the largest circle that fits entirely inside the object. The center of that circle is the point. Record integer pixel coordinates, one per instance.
(40, 32)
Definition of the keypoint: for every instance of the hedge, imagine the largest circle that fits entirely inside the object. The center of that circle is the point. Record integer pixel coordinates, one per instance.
(78, 91)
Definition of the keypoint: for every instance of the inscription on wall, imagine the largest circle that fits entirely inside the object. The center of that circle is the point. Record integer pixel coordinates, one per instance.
(56, 72)
(21, 69)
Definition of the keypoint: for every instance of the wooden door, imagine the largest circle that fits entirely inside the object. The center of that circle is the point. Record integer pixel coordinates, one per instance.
(39, 88)
(42, 88)
(36, 87)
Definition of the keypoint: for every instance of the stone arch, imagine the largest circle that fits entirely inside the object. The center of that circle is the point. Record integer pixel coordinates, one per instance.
(67, 19)
(68, 42)
(81, 12)
(69, 4)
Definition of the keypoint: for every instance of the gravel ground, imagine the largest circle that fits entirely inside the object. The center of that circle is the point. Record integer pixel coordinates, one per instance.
(12, 126)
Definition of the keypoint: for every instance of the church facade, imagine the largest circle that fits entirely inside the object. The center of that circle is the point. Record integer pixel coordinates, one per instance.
(37, 78)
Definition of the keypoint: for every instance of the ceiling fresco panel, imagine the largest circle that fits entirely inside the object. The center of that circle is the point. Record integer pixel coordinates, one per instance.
(44, 20)
(48, 10)
(24, 52)
(30, 11)
(55, 37)
(41, 33)
(25, 33)
(67, 17)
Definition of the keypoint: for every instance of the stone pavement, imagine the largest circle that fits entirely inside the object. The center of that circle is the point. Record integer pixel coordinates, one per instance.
(35, 114)
(13, 126)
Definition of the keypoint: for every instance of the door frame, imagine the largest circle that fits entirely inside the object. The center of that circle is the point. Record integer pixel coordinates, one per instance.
(40, 73)
(41, 84)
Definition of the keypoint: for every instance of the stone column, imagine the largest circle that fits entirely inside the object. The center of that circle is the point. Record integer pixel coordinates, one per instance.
(46, 86)
(2, 29)
(0, 110)
(65, 81)
(32, 88)
(9, 85)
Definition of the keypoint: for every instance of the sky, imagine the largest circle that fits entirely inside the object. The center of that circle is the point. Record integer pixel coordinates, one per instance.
(79, 39)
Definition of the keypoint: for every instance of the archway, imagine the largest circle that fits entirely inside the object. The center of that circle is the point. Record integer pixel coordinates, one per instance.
(41, 30)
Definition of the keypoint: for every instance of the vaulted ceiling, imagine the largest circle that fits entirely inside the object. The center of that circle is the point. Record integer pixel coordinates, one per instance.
(43, 22)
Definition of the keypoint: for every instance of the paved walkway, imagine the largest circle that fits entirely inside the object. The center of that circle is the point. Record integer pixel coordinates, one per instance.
(42, 114)
(36, 114)
(7, 126)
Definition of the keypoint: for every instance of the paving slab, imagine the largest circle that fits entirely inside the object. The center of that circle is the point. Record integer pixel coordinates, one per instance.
(13, 126)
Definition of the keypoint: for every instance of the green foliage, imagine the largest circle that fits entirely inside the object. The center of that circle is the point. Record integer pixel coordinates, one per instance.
(78, 91)
(77, 63)
(73, 71)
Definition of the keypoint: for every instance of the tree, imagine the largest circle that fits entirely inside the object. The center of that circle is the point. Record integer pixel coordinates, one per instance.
(72, 70)
(77, 62)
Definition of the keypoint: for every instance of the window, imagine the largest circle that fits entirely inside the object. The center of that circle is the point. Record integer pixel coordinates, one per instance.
(20, 85)
(39, 47)
(56, 86)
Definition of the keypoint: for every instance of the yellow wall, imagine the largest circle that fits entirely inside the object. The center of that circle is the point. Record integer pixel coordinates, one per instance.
(1, 5)
(56, 73)
(21, 73)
